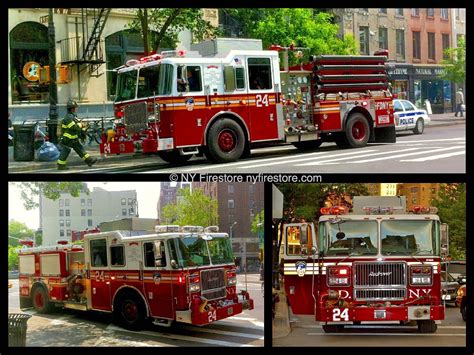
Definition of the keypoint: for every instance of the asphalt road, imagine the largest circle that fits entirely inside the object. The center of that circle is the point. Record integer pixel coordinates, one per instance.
(440, 149)
(75, 328)
(305, 331)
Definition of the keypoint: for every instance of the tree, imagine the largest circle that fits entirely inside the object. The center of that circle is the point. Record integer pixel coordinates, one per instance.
(301, 27)
(455, 64)
(451, 204)
(160, 26)
(13, 257)
(18, 230)
(51, 190)
(193, 208)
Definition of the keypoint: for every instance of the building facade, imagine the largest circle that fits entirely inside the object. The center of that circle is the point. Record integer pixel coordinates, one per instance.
(418, 194)
(59, 218)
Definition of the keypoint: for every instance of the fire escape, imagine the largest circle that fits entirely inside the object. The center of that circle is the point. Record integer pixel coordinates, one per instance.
(85, 49)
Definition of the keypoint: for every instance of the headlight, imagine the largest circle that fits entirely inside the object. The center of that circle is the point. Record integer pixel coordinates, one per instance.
(231, 278)
(338, 276)
(194, 283)
(421, 275)
(461, 291)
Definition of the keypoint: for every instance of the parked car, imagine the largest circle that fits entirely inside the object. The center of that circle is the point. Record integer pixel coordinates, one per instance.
(409, 117)
(457, 269)
(461, 301)
(449, 288)
(14, 274)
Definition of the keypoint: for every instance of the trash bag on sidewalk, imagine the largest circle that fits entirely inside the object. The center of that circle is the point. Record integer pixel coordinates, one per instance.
(48, 152)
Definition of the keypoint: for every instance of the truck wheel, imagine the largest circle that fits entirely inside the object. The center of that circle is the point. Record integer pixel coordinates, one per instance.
(225, 141)
(308, 145)
(173, 156)
(357, 130)
(130, 312)
(427, 326)
(419, 127)
(41, 301)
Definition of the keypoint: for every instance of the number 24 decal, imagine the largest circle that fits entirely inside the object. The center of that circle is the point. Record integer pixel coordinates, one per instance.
(261, 100)
(211, 316)
(338, 315)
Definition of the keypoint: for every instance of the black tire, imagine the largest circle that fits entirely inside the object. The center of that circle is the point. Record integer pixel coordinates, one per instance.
(419, 126)
(129, 311)
(225, 141)
(464, 312)
(308, 145)
(427, 326)
(333, 328)
(341, 141)
(41, 301)
(173, 156)
(357, 132)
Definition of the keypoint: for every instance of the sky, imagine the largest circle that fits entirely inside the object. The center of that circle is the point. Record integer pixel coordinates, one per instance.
(147, 196)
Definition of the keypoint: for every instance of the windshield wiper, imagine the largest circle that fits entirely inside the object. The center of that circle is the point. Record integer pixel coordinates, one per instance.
(348, 256)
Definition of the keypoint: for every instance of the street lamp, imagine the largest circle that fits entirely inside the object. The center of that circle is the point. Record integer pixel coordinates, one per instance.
(230, 228)
(53, 89)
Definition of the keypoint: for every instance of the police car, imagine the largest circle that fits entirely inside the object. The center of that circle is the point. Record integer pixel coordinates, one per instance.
(409, 117)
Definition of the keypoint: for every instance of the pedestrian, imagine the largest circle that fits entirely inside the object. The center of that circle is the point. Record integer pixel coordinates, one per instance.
(70, 133)
(459, 102)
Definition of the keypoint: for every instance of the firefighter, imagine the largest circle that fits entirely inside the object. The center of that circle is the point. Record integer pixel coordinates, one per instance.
(71, 132)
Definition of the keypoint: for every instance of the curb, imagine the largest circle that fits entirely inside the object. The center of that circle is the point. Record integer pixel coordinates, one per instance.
(281, 324)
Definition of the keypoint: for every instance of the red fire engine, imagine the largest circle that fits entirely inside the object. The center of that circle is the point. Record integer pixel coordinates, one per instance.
(179, 105)
(182, 274)
(380, 264)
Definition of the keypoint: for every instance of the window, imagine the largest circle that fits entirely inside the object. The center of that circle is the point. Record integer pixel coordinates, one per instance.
(124, 211)
(444, 14)
(89, 202)
(61, 222)
(61, 213)
(66, 202)
(61, 232)
(239, 78)
(407, 105)
(230, 204)
(457, 14)
(383, 38)
(397, 106)
(68, 232)
(193, 78)
(399, 11)
(61, 203)
(431, 46)
(126, 85)
(130, 201)
(89, 213)
(68, 222)
(68, 213)
(148, 250)
(400, 37)
(413, 200)
(83, 213)
(430, 12)
(416, 45)
(117, 257)
(260, 73)
(415, 12)
(230, 189)
(445, 40)
(89, 223)
(98, 252)
(364, 39)
(414, 190)
(124, 202)
(83, 201)
(148, 81)
(383, 10)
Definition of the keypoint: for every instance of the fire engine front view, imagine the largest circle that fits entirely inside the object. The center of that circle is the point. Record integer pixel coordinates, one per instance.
(183, 274)
(376, 265)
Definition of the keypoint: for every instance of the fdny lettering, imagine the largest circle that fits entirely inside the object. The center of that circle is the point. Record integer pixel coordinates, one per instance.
(382, 105)
(418, 293)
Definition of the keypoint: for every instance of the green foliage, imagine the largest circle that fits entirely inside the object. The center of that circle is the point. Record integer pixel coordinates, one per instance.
(166, 23)
(303, 201)
(18, 230)
(258, 219)
(51, 190)
(193, 208)
(302, 27)
(455, 65)
(13, 257)
(451, 203)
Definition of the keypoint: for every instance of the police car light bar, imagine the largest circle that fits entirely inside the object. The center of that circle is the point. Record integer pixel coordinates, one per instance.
(380, 209)
(173, 228)
(192, 229)
(423, 210)
(211, 229)
(334, 210)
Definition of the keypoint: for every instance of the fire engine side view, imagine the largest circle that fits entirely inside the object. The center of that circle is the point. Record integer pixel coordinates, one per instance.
(378, 265)
(183, 274)
(178, 105)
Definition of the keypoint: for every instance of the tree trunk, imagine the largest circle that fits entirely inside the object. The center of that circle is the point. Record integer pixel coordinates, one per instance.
(167, 24)
(143, 16)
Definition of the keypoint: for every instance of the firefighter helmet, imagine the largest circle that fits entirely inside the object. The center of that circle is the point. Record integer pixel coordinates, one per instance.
(71, 104)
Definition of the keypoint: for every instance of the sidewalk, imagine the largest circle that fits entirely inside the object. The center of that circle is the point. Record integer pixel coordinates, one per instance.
(123, 160)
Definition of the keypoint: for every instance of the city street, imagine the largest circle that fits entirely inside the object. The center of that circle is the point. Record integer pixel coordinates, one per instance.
(443, 144)
(305, 331)
(75, 328)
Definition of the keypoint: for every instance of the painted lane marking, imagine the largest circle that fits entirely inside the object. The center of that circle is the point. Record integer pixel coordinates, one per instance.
(435, 157)
(402, 155)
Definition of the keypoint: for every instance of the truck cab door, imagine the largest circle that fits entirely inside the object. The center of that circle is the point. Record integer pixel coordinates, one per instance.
(99, 274)
(157, 280)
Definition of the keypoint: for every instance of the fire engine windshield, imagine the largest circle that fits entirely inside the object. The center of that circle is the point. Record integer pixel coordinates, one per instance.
(349, 237)
(126, 85)
(401, 237)
(194, 250)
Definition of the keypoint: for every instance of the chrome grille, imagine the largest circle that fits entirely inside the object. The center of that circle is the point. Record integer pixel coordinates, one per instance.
(214, 294)
(376, 294)
(212, 279)
(379, 274)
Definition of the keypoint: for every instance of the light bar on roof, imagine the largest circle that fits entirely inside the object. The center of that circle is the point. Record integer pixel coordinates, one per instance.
(422, 210)
(380, 209)
(334, 210)
(167, 228)
(211, 229)
(192, 229)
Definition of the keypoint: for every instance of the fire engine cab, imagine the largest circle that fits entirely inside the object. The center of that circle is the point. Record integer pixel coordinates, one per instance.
(178, 104)
(183, 274)
(378, 264)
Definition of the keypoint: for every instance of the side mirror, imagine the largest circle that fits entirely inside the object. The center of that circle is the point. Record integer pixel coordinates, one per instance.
(174, 264)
